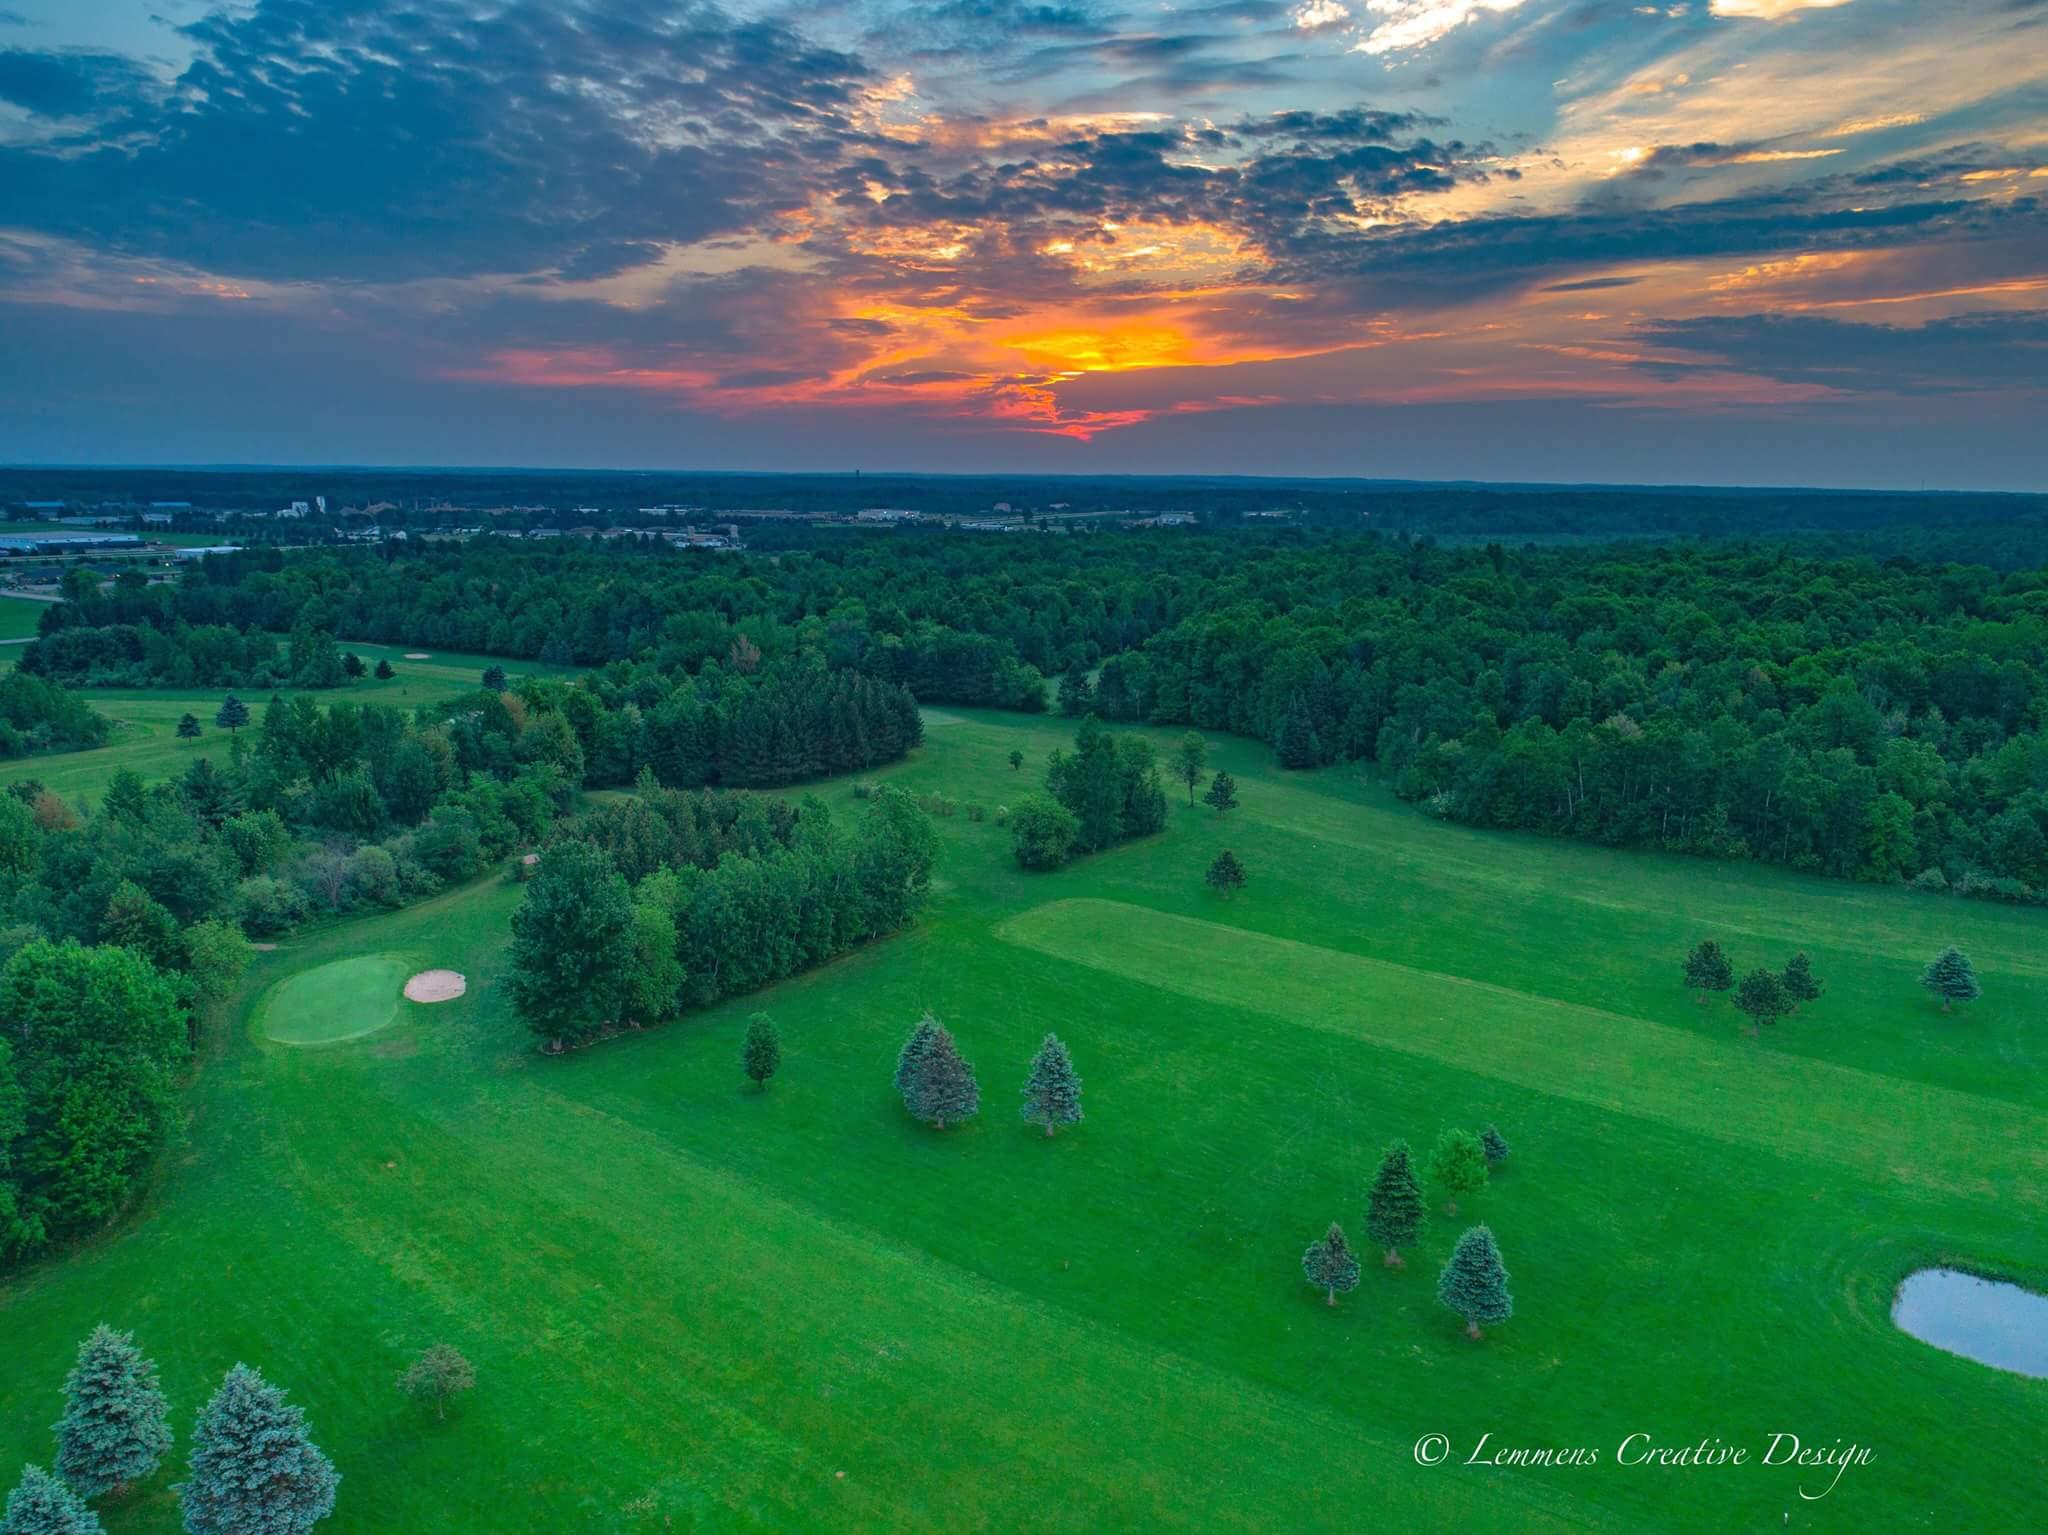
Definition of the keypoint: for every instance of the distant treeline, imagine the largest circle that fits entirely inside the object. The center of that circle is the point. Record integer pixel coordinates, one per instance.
(429, 498)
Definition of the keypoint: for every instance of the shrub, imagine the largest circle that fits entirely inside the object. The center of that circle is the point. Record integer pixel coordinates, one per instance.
(1043, 833)
(266, 904)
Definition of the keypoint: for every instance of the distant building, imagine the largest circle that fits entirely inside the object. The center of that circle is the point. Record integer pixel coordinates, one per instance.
(887, 514)
(200, 552)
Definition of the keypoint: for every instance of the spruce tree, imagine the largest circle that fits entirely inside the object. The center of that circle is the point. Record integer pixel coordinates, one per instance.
(188, 727)
(1762, 996)
(42, 1505)
(910, 1063)
(761, 1051)
(1393, 1214)
(1952, 978)
(946, 1089)
(384, 673)
(1799, 982)
(1495, 1145)
(1296, 742)
(113, 1431)
(1225, 874)
(234, 714)
(1474, 1282)
(1330, 1265)
(1052, 1093)
(1707, 968)
(1222, 792)
(254, 1469)
(1459, 1164)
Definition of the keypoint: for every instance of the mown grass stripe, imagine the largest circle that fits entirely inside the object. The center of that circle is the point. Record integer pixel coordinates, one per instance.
(1734, 1091)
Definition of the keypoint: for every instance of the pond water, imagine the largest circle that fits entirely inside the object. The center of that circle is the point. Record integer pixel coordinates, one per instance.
(1987, 1320)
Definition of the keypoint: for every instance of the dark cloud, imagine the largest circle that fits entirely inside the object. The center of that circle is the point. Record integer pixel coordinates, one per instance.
(313, 138)
(1968, 353)
(67, 84)
(1591, 284)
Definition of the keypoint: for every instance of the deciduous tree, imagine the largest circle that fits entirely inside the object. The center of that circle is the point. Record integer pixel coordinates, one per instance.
(1762, 996)
(1458, 1164)
(1799, 981)
(1189, 758)
(761, 1050)
(574, 946)
(438, 1375)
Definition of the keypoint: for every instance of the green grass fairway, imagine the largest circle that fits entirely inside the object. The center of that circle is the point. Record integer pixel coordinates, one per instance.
(145, 737)
(695, 1307)
(342, 999)
(19, 617)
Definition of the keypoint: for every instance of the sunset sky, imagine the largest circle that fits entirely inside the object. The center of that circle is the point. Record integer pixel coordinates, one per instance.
(1725, 241)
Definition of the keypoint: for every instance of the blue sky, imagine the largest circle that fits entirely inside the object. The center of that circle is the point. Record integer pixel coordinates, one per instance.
(1727, 241)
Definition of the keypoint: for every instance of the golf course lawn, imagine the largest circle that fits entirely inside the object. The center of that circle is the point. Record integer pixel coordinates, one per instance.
(693, 1306)
(342, 999)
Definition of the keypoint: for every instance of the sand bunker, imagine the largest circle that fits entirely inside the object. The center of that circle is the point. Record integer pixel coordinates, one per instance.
(418, 655)
(436, 986)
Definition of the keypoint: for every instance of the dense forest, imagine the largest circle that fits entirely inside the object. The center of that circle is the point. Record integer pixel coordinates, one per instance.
(1880, 721)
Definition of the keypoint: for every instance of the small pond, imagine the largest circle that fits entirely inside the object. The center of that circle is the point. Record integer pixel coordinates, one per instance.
(1987, 1320)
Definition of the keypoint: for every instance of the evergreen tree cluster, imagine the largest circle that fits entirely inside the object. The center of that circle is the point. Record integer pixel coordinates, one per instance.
(254, 1469)
(938, 1085)
(1764, 995)
(1473, 1282)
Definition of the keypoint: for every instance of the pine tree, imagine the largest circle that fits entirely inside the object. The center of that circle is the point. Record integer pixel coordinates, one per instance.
(1222, 793)
(1393, 1214)
(1459, 1164)
(440, 1373)
(188, 727)
(1952, 978)
(1225, 874)
(384, 673)
(1799, 982)
(1762, 996)
(1330, 1265)
(254, 1469)
(234, 714)
(494, 679)
(1474, 1282)
(910, 1063)
(1052, 1093)
(761, 1051)
(42, 1505)
(946, 1089)
(1495, 1145)
(113, 1431)
(1707, 968)
(1297, 743)
(352, 664)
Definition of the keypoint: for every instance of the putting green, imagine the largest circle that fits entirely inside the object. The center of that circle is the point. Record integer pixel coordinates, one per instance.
(343, 1000)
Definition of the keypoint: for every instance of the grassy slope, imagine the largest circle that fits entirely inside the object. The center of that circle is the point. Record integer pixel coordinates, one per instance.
(146, 720)
(692, 1307)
